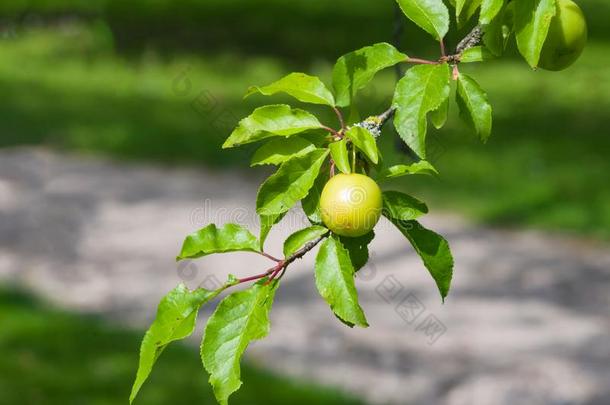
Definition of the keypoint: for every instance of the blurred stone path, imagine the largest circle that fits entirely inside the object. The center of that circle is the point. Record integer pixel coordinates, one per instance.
(527, 320)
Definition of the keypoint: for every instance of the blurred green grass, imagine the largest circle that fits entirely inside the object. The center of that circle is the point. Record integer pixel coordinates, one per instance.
(51, 357)
(67, 86)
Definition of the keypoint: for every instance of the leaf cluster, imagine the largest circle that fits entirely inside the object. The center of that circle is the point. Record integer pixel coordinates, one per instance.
(307, 152)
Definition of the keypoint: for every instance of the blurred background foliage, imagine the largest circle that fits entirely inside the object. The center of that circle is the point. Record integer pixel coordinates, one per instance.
(163, 81)
(52, 357)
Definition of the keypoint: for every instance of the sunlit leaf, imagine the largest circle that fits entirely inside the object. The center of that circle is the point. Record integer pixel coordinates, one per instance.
(269, 121)
(305, 88)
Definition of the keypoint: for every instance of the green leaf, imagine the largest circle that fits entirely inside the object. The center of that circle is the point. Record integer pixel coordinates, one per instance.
(421, 167)
(355, 70)
(402, 207)
(338, 151)
(364, 141)
(476, 54)
(278, 151)
(358, 249)
(267, 223)
(209, 240)
(532, 22)
(311, 203)
(239, 319)
(489, 10)
(305, 88)
(423, 89)
(474, 107)
(269, 121)
(433, 250)
(430, 15)
(335, 282)
(465, 9)
(438, 117)
(176, 316)
(497, 32)
(290, 183)
(298, 239)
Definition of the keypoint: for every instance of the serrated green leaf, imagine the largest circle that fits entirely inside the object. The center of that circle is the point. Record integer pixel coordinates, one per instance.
(532, 22)
(364, 141)
(335, 282)
(290, 183)
(476, 54)
(433, 250)
(402, 207)
(430, 15)
(355, 70)
(474, 106)
(278, 151)
(338, 151)
(424, 88)
(421, 167)
(176, 316)
(358, 249)
(269, 121)
(311, 203)
(267, 222)
(298, 239)
(239, 319)
(210, 240)
(489, 10)
(305, 88)
(438, 117)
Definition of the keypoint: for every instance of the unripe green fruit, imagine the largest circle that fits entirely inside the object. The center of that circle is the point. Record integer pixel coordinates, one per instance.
(566, 38)
(350, 204)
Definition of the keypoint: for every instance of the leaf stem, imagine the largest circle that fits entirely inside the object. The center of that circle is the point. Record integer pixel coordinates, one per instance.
(442, 44)
(256, 277)
(332, 131)
(421, 61)
(281, 265)
(340, 117)
(268, 256)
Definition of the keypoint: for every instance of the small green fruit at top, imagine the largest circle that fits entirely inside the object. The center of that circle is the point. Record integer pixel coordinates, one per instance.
(350, 204)
(566, 38)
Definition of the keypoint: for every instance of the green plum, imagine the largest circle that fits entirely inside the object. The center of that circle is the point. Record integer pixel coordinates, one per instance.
(566, 38)
(351, 204)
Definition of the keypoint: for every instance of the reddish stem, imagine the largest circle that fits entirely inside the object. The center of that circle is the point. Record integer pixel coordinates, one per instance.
(340, 117)
(421, 61)
(256, 277)
(268, 256)
(332, 131)
(275, 273)
(443, 48)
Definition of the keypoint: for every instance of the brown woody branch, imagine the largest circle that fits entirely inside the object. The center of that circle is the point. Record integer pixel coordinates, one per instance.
(283, 264)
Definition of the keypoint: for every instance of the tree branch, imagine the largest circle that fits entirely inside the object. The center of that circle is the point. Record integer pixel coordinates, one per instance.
(282, 264)
(473, 38)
